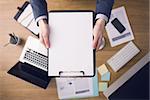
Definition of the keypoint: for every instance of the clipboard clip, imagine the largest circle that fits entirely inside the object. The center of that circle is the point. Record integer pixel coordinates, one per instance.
(19, 8)
(71, 73)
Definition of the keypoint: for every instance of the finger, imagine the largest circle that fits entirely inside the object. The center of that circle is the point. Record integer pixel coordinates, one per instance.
(96, 37)
(46, 40)
(95, 42)
(99, 42)
(41, 39)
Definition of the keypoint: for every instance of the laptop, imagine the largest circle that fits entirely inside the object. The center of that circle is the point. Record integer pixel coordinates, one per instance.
(33, 63)
(34, 53)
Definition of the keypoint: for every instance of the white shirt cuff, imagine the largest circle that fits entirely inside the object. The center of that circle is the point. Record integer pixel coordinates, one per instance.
(102, 16)
(40, 17)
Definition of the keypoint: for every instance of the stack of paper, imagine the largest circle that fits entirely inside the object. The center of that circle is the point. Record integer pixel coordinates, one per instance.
(115, 37)
(77, 87)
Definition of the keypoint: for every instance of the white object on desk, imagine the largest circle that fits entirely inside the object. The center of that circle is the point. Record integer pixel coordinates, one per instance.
(114, 36)
(71, 51)
(68, 88)
(123, 56)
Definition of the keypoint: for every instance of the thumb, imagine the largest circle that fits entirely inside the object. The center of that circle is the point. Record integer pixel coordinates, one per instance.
(96, 37)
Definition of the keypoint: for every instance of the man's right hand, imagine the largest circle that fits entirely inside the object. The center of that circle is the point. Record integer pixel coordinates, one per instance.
(44, 33)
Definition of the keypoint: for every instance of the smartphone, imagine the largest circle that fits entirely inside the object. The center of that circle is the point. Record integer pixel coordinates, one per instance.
(117, 24)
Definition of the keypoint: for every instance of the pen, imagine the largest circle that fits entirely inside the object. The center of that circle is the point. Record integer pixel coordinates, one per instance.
(12, 36)
(15, 37)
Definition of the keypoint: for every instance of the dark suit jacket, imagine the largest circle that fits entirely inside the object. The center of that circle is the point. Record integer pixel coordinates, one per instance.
(40, 7)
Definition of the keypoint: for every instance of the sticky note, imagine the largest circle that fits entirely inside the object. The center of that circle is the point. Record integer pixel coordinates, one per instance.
(102, 69)
(105, 77)
(103, 86)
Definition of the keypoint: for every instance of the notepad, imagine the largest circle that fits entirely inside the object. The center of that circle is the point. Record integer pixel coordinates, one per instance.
(71, 52)
(106, 77)
(102, 69)
(103, 86)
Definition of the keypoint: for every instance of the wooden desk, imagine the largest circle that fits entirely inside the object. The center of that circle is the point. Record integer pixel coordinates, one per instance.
(12, 88)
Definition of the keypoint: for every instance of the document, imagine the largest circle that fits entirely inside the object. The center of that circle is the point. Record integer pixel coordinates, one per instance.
(119, 31)
(68, 88)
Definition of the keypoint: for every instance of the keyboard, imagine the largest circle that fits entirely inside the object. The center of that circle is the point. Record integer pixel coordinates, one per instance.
(33, 57)
(123, 56)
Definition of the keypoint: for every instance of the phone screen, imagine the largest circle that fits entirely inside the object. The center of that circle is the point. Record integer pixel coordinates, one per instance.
(117, 24)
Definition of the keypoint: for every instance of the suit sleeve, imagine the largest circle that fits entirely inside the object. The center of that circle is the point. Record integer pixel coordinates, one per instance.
(39, 8)
(104, 7)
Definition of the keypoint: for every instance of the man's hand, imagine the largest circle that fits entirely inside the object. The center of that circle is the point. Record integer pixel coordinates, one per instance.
(44, 33)
(98, 33)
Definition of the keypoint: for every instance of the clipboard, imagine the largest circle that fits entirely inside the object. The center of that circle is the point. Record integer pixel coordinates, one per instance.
(71, 53)
(24, 16)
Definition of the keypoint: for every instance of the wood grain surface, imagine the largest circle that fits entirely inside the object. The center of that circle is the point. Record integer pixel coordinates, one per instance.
(12, 88)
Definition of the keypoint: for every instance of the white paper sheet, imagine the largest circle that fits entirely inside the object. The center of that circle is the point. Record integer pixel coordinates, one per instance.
(114, 36)
(74, 87)
(71, 43)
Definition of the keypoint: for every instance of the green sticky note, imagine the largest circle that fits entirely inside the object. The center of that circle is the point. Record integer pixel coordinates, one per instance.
(103, 86)
(105, 77)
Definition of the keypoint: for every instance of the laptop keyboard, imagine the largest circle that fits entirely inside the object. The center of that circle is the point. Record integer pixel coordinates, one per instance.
(36, 58)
